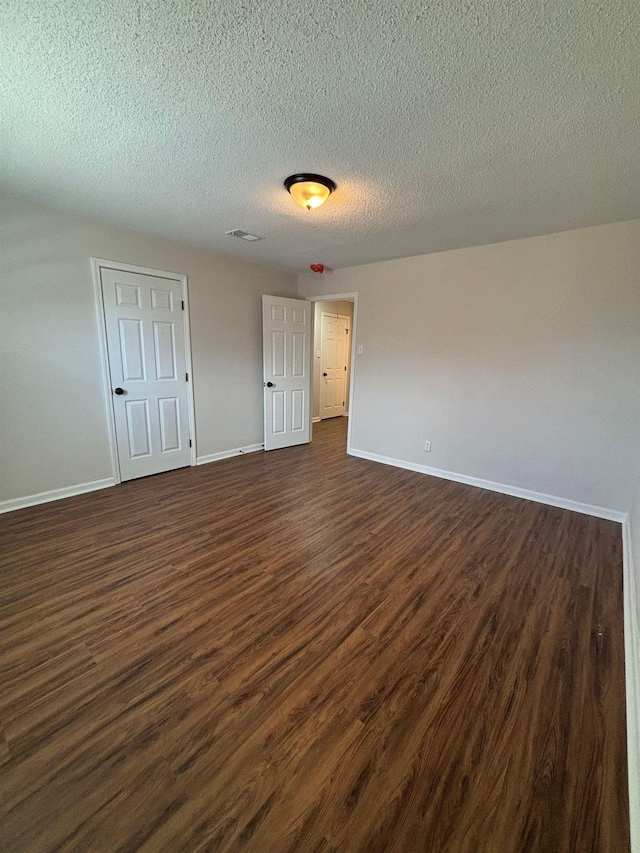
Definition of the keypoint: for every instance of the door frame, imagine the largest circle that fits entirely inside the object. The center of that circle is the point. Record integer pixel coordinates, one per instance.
(332, 297)
(98, 264)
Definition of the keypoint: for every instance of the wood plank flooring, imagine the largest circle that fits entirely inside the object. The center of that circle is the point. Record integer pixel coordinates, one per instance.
(304, 651)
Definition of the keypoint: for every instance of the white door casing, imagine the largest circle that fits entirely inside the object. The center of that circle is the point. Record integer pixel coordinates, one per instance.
(286, 340)
(351, 296)
(147, 362)
(333, 364)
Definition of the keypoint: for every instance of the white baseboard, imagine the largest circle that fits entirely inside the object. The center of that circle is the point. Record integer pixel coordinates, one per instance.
(55, 495)
(632, 675)
(514, 491)
(315, 420)
(226, 454)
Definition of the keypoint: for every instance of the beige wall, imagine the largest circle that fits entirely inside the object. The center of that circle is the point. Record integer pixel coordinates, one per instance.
(53, 425)
(332, 307)
(520, 361)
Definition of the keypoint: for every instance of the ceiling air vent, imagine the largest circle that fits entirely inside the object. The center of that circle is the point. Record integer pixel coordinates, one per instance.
(243, 235)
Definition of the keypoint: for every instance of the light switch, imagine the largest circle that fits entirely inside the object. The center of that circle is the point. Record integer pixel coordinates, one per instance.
(360, 349)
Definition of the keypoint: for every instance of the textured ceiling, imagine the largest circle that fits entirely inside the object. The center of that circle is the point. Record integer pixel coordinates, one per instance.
(444, 123)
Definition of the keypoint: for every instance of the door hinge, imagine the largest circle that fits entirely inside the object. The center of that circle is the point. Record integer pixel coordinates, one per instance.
(183, 304)
(346, 331)
(190, 443)
(186, 377)
(345, 367)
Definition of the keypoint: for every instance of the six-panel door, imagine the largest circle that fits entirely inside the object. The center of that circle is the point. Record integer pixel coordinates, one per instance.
(147, 365)
(286, 335)
(333, 381)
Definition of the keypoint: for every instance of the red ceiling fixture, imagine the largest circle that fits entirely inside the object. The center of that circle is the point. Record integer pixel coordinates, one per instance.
(319, 268)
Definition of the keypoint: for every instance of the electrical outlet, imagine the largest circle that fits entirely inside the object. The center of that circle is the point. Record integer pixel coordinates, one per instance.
(427, 445)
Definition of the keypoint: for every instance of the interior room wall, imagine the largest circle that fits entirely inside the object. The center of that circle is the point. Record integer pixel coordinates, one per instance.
(53, 422)
(519, 361)
(330, 307)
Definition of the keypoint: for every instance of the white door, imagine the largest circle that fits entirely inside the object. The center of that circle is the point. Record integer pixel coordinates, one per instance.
(286, 337)
(333, 364)
(147, 365)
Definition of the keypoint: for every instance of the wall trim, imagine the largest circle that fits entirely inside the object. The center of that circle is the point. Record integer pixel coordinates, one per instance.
(632, 677)
(226, 454)
(514, 491)
(55, 494)
(316, 420)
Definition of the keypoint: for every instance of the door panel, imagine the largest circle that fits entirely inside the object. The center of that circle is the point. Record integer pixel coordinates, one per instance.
(131, 350)
(147, 359)
(300, 358)
(161, 300)
(286, 332)
(138, 427)
(297, 410)
(279, 412)
(169, 413)
(278, 350)
(164, 350)
(128, 294)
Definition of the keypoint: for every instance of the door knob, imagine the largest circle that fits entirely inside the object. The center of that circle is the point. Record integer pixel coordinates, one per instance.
(118, 391)
(325, 374)
(270, 385)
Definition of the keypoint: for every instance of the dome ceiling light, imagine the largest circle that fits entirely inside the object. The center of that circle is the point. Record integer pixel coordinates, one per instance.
(309, 190)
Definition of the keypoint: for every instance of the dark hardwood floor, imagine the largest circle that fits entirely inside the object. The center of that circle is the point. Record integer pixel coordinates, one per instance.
(303, 651)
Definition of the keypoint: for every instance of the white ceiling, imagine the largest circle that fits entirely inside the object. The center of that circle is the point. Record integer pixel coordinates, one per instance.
(446, 123)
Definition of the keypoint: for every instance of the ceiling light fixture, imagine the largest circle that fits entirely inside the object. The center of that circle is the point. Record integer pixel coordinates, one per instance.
(309, 190)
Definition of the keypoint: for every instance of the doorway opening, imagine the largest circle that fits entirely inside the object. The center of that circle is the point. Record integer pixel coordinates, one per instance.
(332, 363)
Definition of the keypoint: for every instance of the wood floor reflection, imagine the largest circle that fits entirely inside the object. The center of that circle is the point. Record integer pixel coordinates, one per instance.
(304, 651)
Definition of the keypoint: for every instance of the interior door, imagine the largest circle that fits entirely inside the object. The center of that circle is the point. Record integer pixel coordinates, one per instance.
(333, 363)
(147, 365)
(286, 340)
